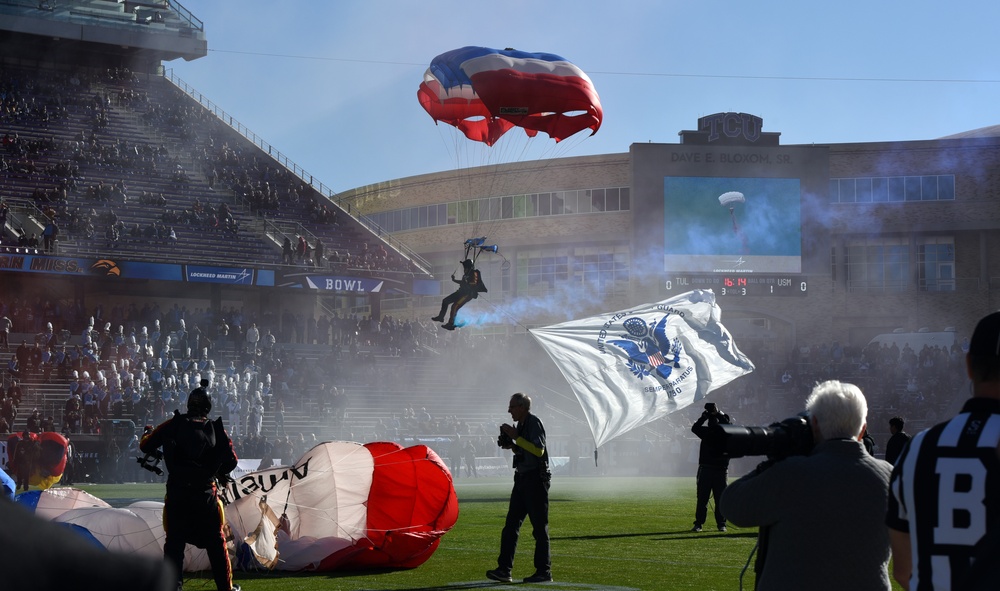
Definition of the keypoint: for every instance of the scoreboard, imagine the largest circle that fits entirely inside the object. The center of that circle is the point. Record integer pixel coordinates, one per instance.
(726, 286)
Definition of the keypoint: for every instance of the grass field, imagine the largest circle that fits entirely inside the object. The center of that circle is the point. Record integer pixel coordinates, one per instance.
(608, 533)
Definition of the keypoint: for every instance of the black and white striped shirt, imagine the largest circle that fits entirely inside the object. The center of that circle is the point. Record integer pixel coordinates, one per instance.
(945, 491)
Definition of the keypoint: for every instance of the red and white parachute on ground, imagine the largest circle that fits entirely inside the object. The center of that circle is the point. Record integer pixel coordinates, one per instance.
(342, 505)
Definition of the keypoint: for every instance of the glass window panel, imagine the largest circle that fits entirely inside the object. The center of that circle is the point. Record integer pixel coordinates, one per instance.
(544, 203)
(880, 190)
(928, 188)
(509, 208)
(414, 218)
(569, 201)
(557, 204)
(597, 199)
(422, 217)
(626, 199)
(946, 187)
(834, 191)
(583, 202)
(863, 187)
(452, 212)
(611, 200)
(896, 189)
(847, 194)
(912, 184)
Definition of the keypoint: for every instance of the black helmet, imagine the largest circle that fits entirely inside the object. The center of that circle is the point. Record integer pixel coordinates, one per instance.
(199, 403)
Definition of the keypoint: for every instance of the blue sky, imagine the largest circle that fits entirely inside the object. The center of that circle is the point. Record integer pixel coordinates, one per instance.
(332, 85)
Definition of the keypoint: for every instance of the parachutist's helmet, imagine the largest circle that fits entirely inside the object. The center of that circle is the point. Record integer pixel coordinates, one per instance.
(467, 263)
(199, 403)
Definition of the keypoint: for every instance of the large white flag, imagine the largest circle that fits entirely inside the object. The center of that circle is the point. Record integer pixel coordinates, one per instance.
(631, 367)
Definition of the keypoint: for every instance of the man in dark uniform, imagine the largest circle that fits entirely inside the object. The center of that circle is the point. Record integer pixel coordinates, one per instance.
(469, 288)
(713, 467)
(944, 496)
(897, 441)
(530, 496)
(197, 452)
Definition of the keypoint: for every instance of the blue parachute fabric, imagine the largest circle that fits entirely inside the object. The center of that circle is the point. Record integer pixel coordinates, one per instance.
(7, 485)
(447, 67)
(29, 499)
(83, 532)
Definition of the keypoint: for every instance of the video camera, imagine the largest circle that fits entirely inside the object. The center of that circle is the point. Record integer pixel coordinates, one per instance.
(151, 462)
(790, 437)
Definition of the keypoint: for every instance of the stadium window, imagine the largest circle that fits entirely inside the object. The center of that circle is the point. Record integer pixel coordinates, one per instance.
(863, 189)
(414, 221)
(520, 206)
(626, 198)
(544, 201)
(946, 187)
(834, 190)
(597, 199)
(928, 188)
(880, 190)
(583, 202)
(912, 188)
(557, 204)
(896, 189)
(569, 202)
(473, 210)
(422, 216)
(496, 208)
(611, 200)
(847, 194)
(397, 221)
(463, 212)
(878, 265)
(452, 212)
(936, 264)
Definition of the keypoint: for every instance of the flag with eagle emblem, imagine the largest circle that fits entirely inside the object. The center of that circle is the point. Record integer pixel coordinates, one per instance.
(633, 366)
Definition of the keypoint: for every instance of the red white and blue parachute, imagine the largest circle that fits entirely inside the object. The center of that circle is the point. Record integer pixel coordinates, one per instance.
(485, 92)
(342, 505)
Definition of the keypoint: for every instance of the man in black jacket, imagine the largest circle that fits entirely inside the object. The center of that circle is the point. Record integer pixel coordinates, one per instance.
(713, 466)
(897, 442)
(197, 452)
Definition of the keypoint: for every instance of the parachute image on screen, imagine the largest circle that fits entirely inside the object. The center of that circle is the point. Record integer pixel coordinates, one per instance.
(732, 225)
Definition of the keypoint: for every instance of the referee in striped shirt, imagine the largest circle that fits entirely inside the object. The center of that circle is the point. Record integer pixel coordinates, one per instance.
(944, 497)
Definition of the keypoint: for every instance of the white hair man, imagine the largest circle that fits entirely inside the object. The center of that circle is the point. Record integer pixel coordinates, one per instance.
(820, 515)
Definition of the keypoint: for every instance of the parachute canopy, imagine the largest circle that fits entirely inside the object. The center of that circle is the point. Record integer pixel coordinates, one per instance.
(45, 454)
(340, 506)
(729, 198)
(485, 92)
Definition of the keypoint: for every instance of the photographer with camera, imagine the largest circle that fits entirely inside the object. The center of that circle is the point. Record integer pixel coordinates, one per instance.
(713, 466)
(198, 453)
(821, 514)
(530, 495)
(944, 506)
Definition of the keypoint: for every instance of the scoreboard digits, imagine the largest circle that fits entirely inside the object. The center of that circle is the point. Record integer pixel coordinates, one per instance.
(741, 285)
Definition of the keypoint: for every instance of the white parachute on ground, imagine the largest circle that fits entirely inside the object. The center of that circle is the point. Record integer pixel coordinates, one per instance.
(342, 505)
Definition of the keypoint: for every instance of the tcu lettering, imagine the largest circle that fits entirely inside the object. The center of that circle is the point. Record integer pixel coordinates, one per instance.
(731, 125)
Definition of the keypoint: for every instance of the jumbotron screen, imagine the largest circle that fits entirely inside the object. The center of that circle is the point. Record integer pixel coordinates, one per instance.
(732, 225)
(703, 209)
